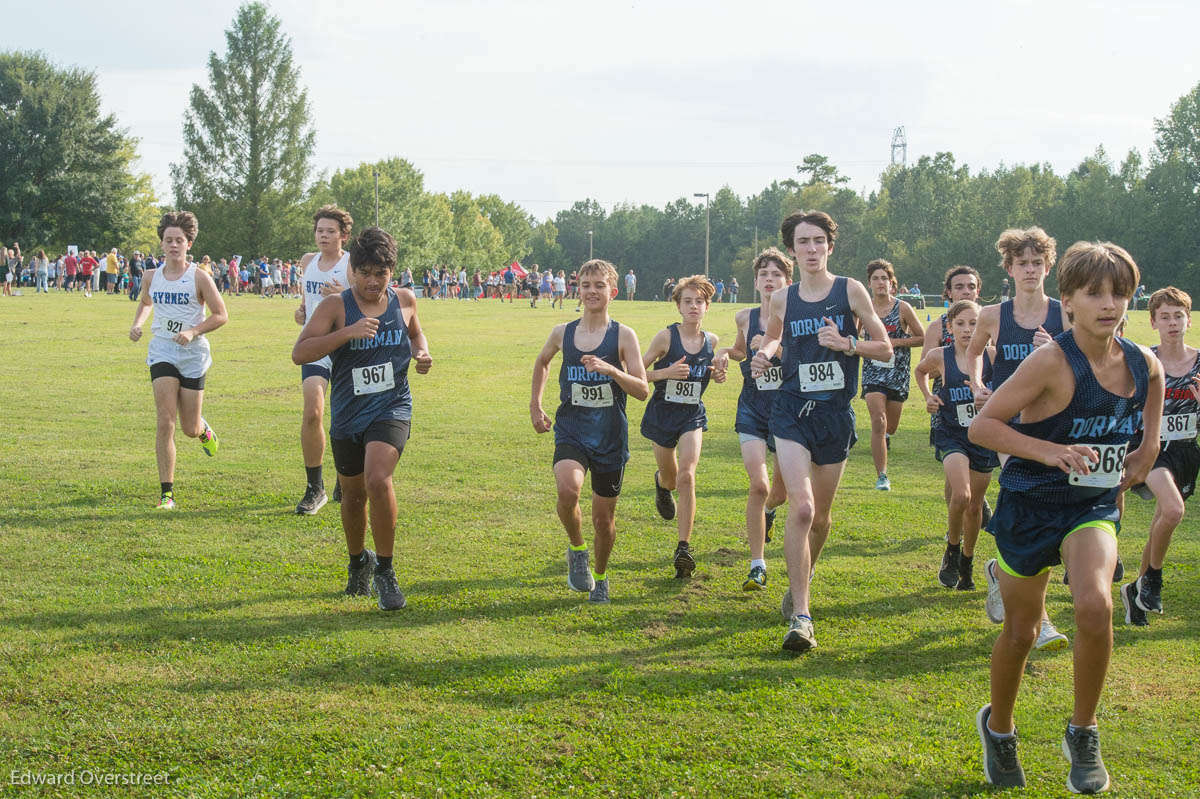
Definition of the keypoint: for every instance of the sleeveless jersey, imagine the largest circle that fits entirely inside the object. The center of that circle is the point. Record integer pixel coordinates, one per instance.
(315, 278)
(811, 371)
(177, 303)
(1180, 408)
(684, 393)
(1014, 343)
(758, 395)
(1095, 417)
(591, 410)
(958, 401)
(369, 377)
(894, 374)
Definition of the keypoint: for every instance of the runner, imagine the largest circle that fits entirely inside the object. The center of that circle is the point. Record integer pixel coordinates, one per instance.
(1017, 328)
(1079, 399)
(325, 273)
(1172, 478)
(179, 355)
(601, 364)
(812, 419)
(772, 271)
(885, 383)
(968, 468)
(371, 334)
(675, 419)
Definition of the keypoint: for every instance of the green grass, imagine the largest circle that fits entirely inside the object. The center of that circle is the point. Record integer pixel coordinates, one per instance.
(213, 643)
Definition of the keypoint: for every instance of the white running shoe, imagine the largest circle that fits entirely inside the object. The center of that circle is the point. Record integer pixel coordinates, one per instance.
(995, 602)
(1050, 639)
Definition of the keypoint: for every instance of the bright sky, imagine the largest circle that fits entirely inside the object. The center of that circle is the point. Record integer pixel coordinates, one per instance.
(546, 103)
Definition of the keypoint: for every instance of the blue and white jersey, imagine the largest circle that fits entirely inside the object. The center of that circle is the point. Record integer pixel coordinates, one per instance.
(316, 278)
(958, 401)
(591, 409)
(811, 371)
(177, 303)
(369, 377)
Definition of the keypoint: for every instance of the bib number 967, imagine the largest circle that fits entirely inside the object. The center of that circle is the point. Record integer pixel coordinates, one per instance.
(374, 379)
(1106, 472)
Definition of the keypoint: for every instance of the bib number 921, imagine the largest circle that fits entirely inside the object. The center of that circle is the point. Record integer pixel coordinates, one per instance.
(1106, 472)
(174, 325)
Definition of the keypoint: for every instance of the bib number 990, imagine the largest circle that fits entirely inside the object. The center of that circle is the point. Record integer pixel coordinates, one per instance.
(374, 379)
(771, 379)
(823, 376)
(1106, 472)
(966, 413)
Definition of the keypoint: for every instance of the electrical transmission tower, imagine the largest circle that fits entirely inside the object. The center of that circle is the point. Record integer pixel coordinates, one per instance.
(899, 147)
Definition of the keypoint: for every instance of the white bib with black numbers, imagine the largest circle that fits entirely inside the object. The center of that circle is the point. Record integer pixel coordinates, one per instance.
(374, 379)
(966, 414)
(682, 392)
(1178, 427)
(890, 363)
(823, 376)
(597, 396)
(1106, 473)
(771, 379)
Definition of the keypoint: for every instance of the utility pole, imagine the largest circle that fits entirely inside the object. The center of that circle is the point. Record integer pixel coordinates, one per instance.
(707, 226)
(376, 196)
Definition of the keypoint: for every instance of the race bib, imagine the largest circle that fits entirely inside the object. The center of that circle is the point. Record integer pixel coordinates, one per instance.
(1178, 427)
(683, 392)
(823, 376)
(966, 413)
(770, 380)
(1107, 472)
(890, 363)
(597, 396)
(373, 379)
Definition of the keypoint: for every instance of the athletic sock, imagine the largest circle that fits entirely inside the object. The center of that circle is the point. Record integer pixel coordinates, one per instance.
(382, 564)
(314, 476)
(1001, 736)
(580, 548)
(1075, 728)
(359, 560)
(167, 488)
(598, 577)
(758, 563)
(1153, 572)
(803, 616)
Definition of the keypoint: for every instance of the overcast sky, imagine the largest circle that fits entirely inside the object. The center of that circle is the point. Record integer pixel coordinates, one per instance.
(546, 103)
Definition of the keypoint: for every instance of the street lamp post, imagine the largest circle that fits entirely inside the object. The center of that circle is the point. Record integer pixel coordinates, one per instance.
(707, 226)
(376, 196)
(589, 245)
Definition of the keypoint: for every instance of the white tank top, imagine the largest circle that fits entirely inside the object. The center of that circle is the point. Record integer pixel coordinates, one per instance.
(176, 302)
(315, 278)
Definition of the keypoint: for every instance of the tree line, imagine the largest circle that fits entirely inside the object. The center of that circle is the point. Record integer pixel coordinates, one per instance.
(68, 175)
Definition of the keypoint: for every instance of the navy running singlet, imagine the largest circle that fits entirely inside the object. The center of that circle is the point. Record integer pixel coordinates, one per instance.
(754, 403)
(958, 401)
(811, 371)
(1095, 417)
(591, 410)
(369, 377)
(684, 392)
(1014, 343)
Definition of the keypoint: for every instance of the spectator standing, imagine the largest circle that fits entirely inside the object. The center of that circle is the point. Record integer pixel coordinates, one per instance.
(720, 290)
(733, 289)
(87, 267)
(41, 271)
(630, 285)
(70, 267)
(136, 267)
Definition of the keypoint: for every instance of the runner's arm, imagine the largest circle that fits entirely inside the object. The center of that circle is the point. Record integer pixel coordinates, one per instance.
(420, 347)
(632, 379)
(879, 348)
(325, 332)
(142, 312)
(985, 333)
(774, 334)
(930, 366)
(1139, 462)
(217, 314)
(541, 371)
(912, 324)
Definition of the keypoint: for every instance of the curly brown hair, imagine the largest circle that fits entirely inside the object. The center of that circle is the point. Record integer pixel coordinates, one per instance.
(184, 220)
(344, 221)
(698, 283)
(1015, 241)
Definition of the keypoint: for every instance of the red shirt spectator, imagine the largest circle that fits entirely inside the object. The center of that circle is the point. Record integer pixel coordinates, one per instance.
(70, 265)
(86, 264)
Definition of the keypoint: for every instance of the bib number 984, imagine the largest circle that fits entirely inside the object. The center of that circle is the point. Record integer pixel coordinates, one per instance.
(823, 376)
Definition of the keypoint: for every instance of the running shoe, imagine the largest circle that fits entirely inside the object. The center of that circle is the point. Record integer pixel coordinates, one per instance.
(1149, 592)
(966, 580)
(1050, 639)
(1119, 572)
(599, 593)
(579, 572)
(208, 440)
(166, 502)
(1134, 614)
(1001, 766)
(770, 522)
(685, 564)
(987, 512)
(995, 603)
(887, 441)
(757, 580)
(883, 483)
(663, 501)
(358, 578)
(314, 499)
(390, 596)
(337, 491)
(799, 636)
(1082, 750)
(948, 573)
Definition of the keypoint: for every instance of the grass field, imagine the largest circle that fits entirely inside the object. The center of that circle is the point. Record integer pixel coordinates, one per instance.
(214, 644)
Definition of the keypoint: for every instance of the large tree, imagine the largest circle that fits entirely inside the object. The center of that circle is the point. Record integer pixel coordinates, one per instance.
(66, 170)
(248, 143)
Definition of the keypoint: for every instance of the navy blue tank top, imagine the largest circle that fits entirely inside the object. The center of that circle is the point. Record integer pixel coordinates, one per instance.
(752, 396)
(369, 377)
(591, 410)
(955, 391)
(683, 391)
(801, 322)
(1095, 416)
(1014, 343)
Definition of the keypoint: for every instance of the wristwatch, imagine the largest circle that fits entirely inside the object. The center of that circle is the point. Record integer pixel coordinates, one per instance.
(853, 345)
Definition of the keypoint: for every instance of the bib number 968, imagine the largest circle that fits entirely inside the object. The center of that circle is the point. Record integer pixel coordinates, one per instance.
(1106, 472)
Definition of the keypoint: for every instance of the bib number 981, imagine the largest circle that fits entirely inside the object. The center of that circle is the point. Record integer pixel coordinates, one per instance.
(683, 392)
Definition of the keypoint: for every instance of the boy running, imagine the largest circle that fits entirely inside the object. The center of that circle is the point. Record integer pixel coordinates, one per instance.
(1080, 399)
(601, 364)
(675, 419)
(372, 334)
(812, 419)
(179, 354)
(325, 272)
(1172, 478)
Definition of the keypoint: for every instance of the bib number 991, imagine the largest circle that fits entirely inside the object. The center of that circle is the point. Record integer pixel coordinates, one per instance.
(596, 396)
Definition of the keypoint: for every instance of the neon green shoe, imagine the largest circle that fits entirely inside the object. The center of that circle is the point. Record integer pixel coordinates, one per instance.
(167, 502)
(209, 440)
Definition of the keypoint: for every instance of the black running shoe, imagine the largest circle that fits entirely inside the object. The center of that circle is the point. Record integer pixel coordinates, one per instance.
(685, 564)
(1134, 615)
(1001, 766)
(314, 499)
(390, 596)
(948, 573)
(1149, 592)
(337, 491)
(1082, 750)
(987, 512)
(966, 581)
(663, 501)
(770, 522)
(1119, 572)
(359, 577)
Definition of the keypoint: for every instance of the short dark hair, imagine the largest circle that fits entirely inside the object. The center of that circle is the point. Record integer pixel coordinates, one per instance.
(887, 268)
(373, 247)
(797, 218)
(955, 271)
(184, 220)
